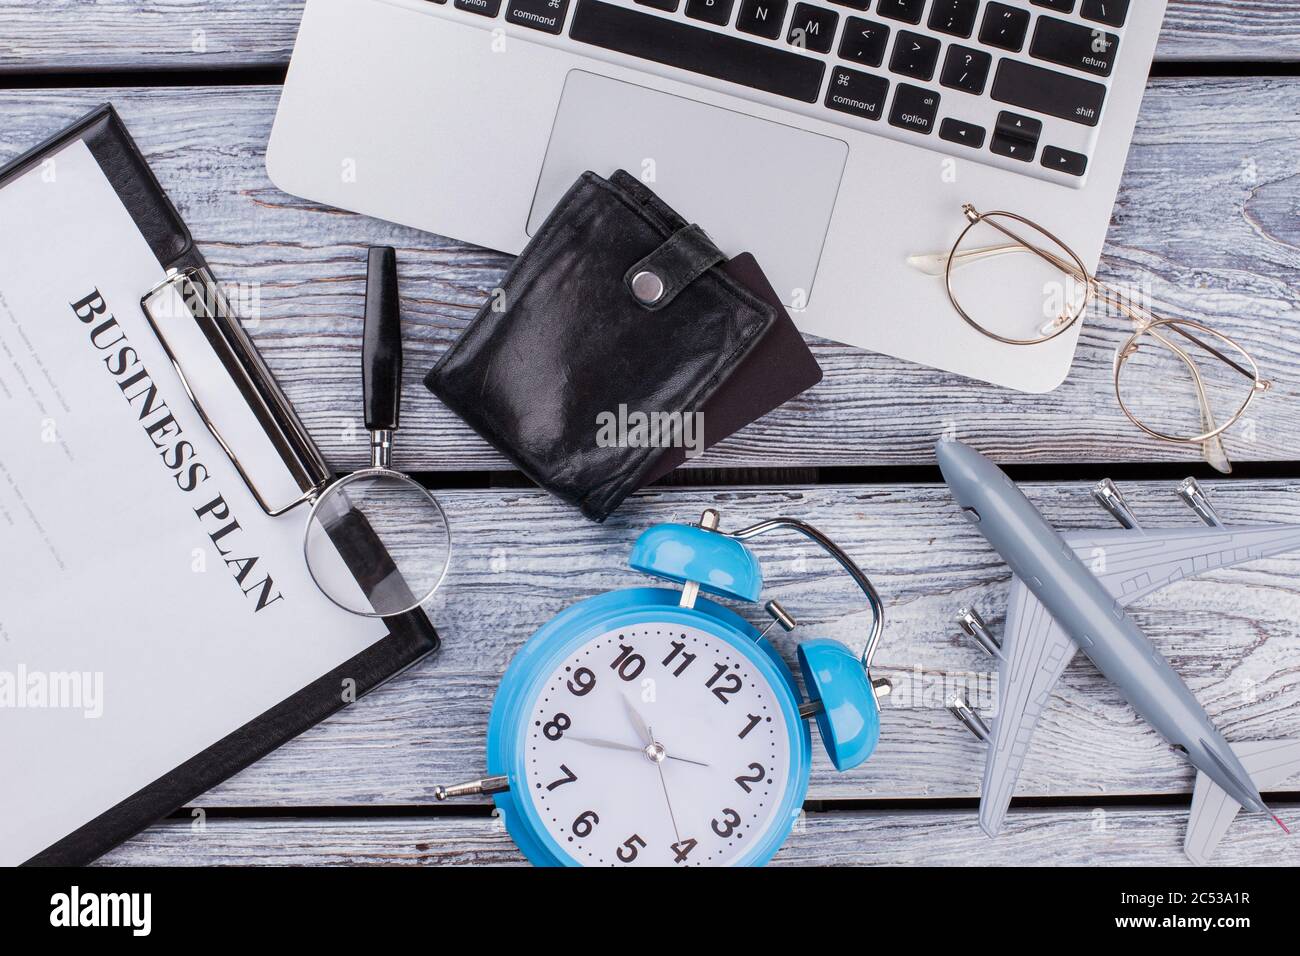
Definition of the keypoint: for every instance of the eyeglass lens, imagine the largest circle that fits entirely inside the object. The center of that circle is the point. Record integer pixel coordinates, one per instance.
(1009, 292)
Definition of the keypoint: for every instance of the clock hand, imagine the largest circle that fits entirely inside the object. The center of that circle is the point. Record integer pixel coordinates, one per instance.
(659, 765)
(607, 744)
(614, 745)
(638, 723)
(698, 763)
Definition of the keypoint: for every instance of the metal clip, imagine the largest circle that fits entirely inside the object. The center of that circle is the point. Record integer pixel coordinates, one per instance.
(206, 305)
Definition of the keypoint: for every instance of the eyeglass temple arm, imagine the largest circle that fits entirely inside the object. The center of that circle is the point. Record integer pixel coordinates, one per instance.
(936, 263)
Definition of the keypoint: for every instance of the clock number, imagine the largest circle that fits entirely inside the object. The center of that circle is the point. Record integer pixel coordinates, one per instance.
(754, 720)
(683, 850)
(679, 647)
(628, 851)
(555, 728)
(732, 684)
(758, 774)
(569, 777)
(628, 665)
(585, 823)
(582, 682)
(730, 820)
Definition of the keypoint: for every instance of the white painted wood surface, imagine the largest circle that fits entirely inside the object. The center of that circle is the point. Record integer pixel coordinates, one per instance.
(1206, 221)
(1095, 837)
(521, 558)
(79, 35)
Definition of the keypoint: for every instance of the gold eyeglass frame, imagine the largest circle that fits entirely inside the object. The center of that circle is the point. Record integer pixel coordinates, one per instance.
(1146, 322)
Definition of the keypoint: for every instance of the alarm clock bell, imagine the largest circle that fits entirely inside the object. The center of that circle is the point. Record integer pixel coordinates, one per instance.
(702, 557)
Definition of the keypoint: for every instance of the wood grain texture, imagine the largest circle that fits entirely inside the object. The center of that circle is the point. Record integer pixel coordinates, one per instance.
(1149, 837)
(82, 35)
(1233, 635)
(1205, 222)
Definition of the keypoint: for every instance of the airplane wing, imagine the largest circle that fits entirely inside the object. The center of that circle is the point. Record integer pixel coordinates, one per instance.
(1035, 650)
(1034, 653)
(1133, 564)
(1268, 762)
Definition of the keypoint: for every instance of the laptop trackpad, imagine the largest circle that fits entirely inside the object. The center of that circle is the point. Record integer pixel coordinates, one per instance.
(754, 185)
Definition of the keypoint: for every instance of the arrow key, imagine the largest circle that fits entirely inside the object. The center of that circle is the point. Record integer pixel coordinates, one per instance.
(1064, 161)
(959, 131)
(1015, 126)
(1013, 147)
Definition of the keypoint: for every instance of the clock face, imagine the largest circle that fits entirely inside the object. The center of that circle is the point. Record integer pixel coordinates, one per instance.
(657, 745)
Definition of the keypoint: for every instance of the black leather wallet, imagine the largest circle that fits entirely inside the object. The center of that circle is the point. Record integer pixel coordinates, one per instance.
(617, 306)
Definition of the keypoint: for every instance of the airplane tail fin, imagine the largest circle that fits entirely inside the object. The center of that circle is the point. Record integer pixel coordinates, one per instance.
(1268, 762)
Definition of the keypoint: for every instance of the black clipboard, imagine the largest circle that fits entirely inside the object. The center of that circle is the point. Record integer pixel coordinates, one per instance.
(411, 636)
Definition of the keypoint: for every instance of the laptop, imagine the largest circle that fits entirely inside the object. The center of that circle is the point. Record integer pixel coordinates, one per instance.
(833, 139)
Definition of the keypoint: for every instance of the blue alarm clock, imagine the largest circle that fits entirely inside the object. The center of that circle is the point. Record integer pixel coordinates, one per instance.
(656, 727)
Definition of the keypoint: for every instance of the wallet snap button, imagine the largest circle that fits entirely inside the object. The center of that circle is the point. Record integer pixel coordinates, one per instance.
(647, 287)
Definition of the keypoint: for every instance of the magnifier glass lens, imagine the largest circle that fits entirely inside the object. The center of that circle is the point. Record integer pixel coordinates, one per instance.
(377, 543)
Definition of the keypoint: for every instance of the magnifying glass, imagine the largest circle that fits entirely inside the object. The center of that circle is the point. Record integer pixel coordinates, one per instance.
(377, 542)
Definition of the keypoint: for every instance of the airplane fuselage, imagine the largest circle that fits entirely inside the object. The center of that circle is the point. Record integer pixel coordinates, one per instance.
(1094, 620)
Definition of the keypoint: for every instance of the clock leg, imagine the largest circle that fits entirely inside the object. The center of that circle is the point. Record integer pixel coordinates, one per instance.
(473, 787)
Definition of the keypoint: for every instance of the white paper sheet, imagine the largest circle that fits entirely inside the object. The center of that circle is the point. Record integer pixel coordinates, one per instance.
(128, 643)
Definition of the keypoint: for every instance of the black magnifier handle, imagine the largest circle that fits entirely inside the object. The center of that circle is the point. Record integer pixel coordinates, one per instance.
(381, 351)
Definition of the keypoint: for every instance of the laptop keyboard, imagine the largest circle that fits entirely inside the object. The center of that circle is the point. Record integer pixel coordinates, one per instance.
(1020, 84)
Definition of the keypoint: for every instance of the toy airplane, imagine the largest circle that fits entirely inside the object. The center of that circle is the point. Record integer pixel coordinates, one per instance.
(1057, 606)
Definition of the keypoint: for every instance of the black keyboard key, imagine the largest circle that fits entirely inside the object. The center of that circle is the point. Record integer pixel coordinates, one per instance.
(717, 12)
(1013, 147)
(1064, 161)
(1072, 44)
(1015, 126)
(914, 108)
(813, 28)
(966, 69)
(954, 17)
(1113, 13)
(762, 18)
(864, 42)
(858, 94)
(958, 131)
(909, 11)
(1004, 27)
(484, 8)
(855, 4)
(708, 52)
(914, 55)
(544, 15)
(1047, 91)
(1062, 6)
(668, 6)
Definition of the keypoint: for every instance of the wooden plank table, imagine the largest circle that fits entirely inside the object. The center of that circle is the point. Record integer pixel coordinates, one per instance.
(1207, 220)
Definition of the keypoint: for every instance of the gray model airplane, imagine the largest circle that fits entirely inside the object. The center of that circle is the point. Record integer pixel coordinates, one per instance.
(1059, 605)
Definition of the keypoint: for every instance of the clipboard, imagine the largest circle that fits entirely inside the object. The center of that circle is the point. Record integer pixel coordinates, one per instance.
(410, 636)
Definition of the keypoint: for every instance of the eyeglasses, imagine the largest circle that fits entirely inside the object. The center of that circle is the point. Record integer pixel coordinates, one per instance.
(1175, 379)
